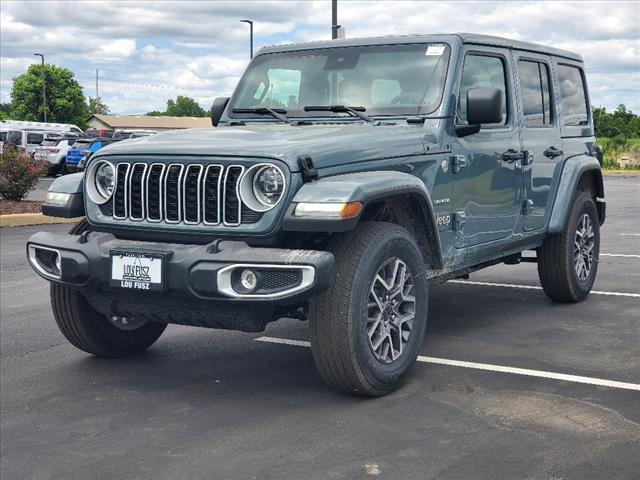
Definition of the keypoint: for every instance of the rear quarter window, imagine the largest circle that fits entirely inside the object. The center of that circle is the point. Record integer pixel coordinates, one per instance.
(35, 138)
(573, 96)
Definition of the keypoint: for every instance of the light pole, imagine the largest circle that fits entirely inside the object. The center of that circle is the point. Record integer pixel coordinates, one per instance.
(334, 19)
(250, 22)
(44, 89)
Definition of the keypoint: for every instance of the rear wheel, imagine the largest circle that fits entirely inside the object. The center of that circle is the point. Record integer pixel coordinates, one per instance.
(568, 261)
(366, 330)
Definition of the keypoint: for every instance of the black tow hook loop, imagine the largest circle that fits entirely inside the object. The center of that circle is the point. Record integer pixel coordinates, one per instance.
(214, 247)
(309, 172)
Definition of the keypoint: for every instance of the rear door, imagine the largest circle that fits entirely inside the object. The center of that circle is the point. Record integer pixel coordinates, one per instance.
(487, 180)
(540, 133)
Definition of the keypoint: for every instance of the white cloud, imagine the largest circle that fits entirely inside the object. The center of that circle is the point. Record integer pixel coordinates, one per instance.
(123, 48)
(149, 51)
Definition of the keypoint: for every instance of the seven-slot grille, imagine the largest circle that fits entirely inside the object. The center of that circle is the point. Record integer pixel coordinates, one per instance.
(179, 193)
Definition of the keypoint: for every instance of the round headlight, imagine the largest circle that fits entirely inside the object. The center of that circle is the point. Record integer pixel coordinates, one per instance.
(105, 179)
(262, 186)
(100, 181)
(268, 185)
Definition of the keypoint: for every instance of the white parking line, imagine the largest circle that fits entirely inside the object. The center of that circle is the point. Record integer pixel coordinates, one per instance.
(535, 287)
(626, 255)
(629, 234)
(488, 367)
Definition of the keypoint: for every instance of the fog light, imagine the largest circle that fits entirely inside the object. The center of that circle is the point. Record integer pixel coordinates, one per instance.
(248, 279)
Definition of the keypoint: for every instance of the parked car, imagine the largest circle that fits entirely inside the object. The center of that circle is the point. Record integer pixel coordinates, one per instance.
(397, 163)
(54, 150)
(82, 149)
(25, 140)
(134, 133)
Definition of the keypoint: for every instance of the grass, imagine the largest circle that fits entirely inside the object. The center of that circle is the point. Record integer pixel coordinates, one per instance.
(614, 149)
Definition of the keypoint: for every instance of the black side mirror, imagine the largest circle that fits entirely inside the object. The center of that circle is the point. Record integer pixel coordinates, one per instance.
(484, 106)
(219, 104)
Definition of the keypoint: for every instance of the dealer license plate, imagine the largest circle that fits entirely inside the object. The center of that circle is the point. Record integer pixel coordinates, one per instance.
(139, 271)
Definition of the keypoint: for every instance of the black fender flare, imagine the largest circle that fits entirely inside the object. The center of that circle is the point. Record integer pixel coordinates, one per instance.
(573, 170)
(365, 187)
(70, 202)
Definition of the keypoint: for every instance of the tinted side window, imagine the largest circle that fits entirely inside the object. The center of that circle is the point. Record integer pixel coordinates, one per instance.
(35, 138)
(483, 72)
(573, 98)
(534, 92)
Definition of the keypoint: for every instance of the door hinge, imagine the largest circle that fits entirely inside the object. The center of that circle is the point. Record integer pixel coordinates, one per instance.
(527, 158)
(458, 162)
(458, 221)
(527, 207)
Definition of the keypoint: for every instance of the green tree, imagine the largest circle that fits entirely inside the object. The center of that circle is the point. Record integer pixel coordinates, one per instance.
(181, 107)
(97, 106)
(5, 111)
(622, 124)
(65, 99)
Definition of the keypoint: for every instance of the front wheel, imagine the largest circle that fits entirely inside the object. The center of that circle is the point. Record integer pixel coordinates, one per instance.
(367, 329)
(568, 261)
(95, 333)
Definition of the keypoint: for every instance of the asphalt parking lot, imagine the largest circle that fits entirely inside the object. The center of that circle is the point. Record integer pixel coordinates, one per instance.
(221, 405)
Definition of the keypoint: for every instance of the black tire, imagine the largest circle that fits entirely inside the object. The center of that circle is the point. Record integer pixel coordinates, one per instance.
(92, 332)
(338, 318)
(556, 266)
(62, 167)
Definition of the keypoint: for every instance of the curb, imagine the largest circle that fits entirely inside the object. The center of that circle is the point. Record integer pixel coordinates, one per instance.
(24, 219)
(621, 173)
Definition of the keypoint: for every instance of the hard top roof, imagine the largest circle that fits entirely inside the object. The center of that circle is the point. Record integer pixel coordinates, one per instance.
(470, 38)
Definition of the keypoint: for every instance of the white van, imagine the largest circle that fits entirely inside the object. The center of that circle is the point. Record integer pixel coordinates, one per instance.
(37, 126)
(26, 140)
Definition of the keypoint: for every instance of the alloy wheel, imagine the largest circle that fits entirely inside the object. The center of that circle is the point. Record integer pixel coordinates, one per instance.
(583, 249)
(391, 309)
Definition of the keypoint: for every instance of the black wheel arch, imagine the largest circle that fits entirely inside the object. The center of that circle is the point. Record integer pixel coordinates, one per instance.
(394, 197)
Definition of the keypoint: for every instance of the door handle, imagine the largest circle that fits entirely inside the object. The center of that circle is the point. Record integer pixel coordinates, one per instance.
(512, 156)
(552, 152)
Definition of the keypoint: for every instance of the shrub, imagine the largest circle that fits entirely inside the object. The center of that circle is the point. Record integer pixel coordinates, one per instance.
(19, 173)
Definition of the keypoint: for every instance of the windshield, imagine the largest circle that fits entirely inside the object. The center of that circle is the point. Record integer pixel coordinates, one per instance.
(50, 142)
(384, 79)
(82, 143)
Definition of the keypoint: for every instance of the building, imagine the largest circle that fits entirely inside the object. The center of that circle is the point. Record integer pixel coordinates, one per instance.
(146, 122)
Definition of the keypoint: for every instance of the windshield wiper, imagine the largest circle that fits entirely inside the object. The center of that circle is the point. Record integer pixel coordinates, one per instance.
(355, 111)
(274, 112)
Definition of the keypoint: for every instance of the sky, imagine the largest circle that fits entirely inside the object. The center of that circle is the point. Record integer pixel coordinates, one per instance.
(149, 51)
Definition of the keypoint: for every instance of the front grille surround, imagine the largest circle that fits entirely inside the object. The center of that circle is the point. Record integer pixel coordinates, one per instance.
(181, 194)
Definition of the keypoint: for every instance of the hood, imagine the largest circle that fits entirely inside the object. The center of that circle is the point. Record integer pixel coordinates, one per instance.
(328, 144)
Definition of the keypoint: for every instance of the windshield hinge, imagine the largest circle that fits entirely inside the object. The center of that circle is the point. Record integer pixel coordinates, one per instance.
(309, 172)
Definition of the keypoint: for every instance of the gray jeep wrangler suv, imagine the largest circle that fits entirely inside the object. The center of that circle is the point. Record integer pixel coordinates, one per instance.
(342, 179)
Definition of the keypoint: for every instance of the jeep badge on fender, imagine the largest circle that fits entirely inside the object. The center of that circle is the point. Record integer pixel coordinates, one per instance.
(341, 180)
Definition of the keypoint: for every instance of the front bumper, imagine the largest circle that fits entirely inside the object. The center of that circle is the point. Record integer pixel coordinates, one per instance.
(201, 273)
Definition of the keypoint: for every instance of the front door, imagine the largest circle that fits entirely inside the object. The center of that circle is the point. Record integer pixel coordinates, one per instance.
(488, 177)
(540, 136)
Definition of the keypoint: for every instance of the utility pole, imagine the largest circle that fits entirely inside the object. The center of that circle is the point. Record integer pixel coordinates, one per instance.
(97, 95)
(44, 88)
(334, 19)
(250, 22)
